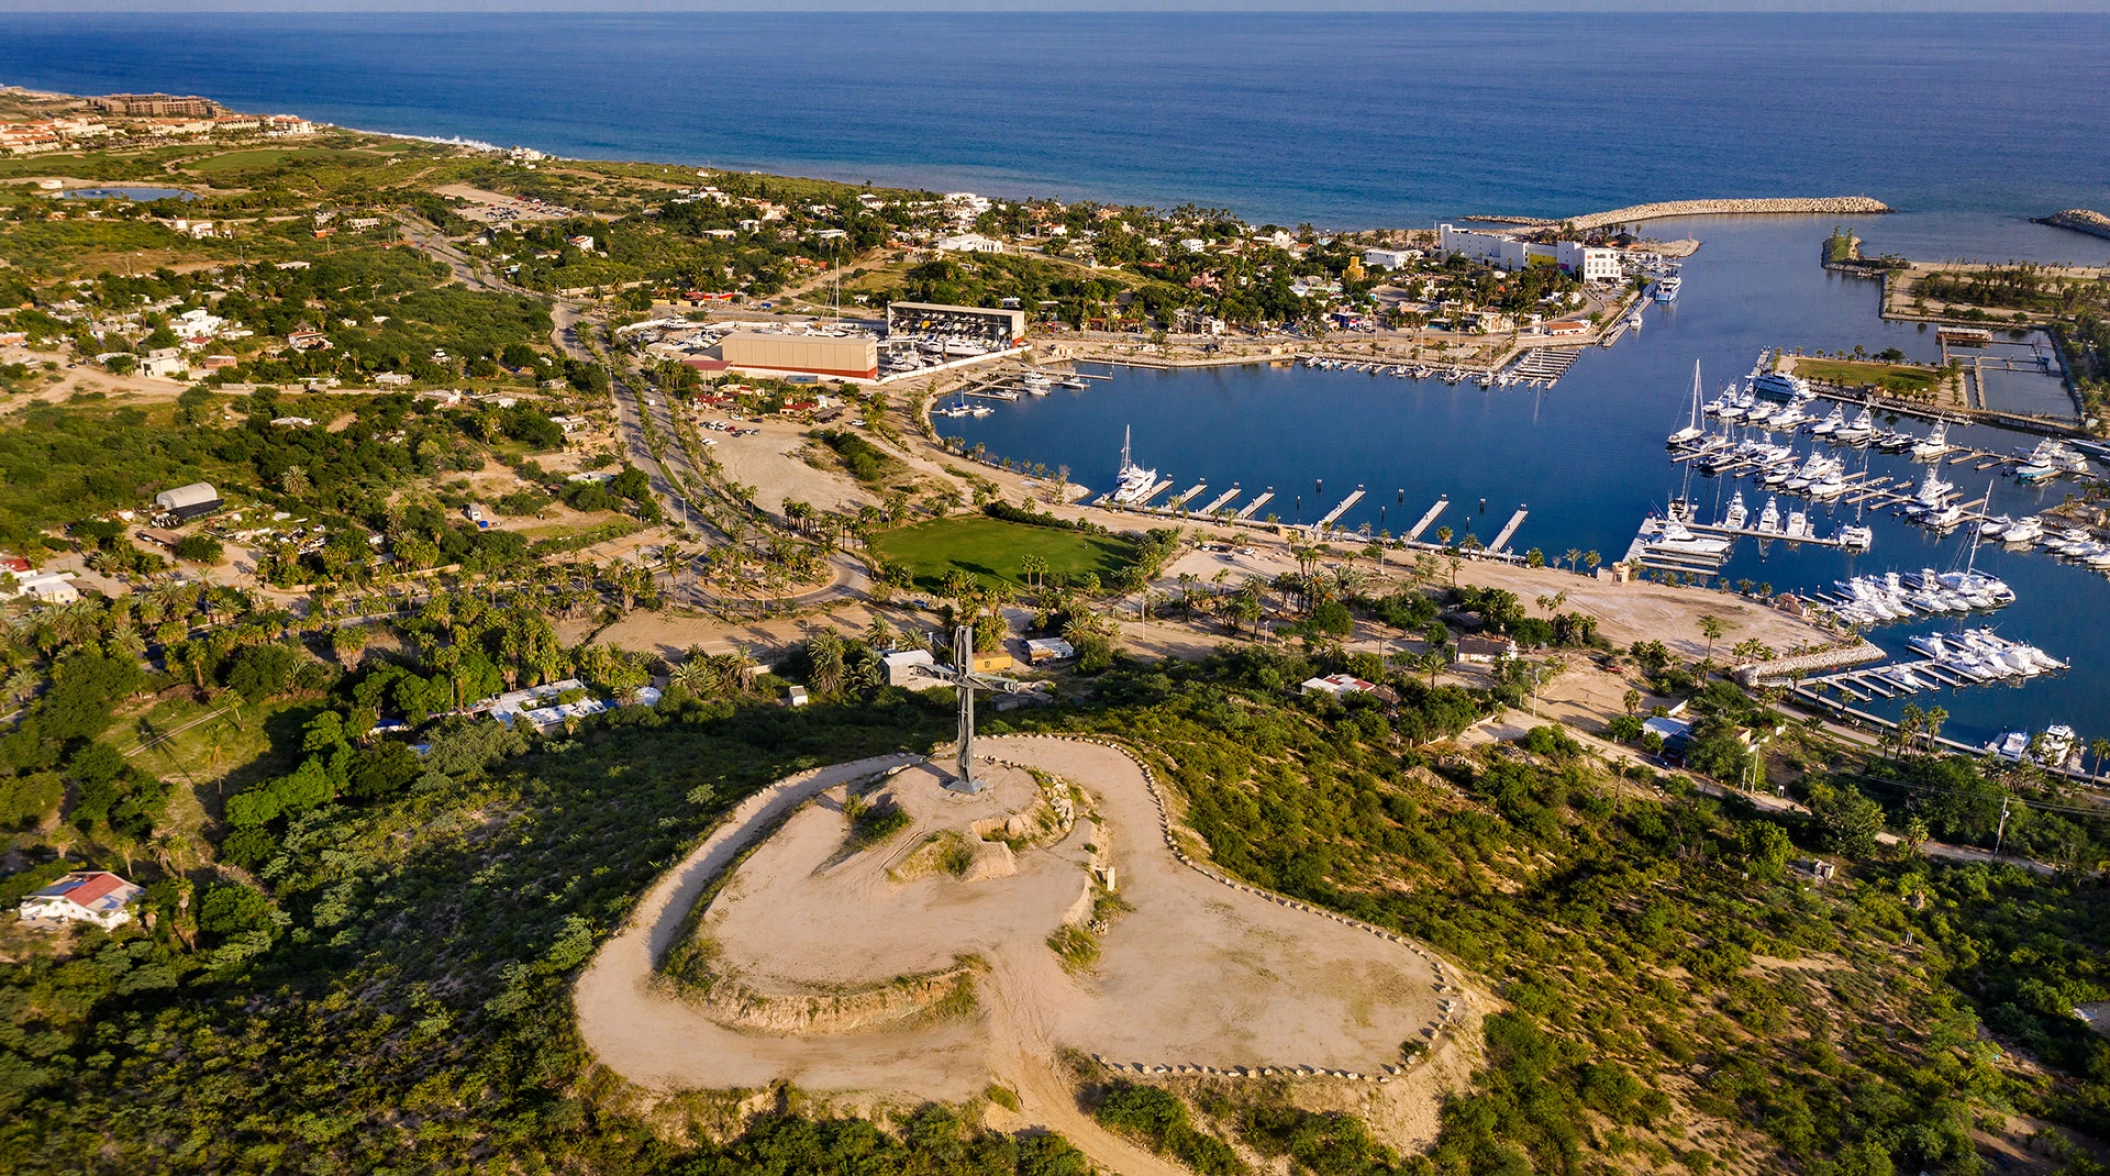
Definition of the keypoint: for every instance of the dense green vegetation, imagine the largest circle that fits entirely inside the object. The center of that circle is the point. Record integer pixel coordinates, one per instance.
(1899, 379)
(995, 551)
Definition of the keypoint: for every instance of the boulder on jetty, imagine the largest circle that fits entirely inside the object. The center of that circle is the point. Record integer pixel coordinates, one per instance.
(2080, 220)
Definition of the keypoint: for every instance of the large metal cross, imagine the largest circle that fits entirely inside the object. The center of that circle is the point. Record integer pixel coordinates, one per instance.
(965, 682)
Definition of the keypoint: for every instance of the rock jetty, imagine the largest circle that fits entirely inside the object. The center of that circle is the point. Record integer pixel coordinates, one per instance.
(1763, 206)
(2080, 220)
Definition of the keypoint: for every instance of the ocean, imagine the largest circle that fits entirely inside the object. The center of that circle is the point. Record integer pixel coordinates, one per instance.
(1967, 124)
(1339, 120)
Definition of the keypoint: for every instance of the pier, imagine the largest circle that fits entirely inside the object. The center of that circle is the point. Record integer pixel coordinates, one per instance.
(1546, 363)
(1255, 505)
(1220, 501)
(1354, 497)
(1509, 528)
(1179, 500)
(1428, 518)
(1156, 490)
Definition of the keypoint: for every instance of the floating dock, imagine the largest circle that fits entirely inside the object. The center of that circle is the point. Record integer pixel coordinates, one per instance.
(1509, 528)
(1220, 501)
(1428, 518)
(1265, 497)
(1179, 500)
(1156, 490)
(1354, 497)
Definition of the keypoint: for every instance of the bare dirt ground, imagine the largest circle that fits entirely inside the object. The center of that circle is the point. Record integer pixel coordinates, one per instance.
(767, 462)
(1197, 973)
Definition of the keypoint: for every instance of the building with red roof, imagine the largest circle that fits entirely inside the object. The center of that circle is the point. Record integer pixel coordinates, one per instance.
(84, 896)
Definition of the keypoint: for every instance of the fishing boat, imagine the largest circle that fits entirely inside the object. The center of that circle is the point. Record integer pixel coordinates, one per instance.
(1831, 424)
(1734, 518)
(1934, 444)
(1857, 537)
(1769, 518)
(2025, 530)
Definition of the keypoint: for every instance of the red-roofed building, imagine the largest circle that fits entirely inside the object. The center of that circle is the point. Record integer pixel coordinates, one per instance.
(84, 896)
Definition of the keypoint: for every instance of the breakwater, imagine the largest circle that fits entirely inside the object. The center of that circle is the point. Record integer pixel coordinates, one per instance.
(1759, 206)
(2080, 220)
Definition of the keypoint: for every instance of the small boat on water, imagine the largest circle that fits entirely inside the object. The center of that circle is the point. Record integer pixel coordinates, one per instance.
(1769, 518)
(1667, 289)
(1934, 444)
(1692, 431)
(1734, 517)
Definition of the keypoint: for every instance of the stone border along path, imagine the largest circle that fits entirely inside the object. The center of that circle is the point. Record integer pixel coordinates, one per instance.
(1455, 1000)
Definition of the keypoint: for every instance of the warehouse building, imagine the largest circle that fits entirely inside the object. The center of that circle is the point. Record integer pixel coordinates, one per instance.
(850, 357)
(999, 329)
(188, 502)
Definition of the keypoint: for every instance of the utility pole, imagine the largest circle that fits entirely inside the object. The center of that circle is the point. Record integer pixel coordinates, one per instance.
(2000, 838)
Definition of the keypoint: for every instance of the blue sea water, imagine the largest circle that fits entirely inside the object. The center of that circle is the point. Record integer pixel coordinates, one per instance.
(1340, 120)
(1967, 124)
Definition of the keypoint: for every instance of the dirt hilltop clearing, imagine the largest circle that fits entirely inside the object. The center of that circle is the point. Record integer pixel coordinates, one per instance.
(829, 964)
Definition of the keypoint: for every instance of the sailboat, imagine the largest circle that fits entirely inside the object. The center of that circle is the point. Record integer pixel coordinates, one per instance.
(1692, 431)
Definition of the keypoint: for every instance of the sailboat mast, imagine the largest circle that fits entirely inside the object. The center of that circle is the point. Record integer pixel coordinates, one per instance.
(1126, 431)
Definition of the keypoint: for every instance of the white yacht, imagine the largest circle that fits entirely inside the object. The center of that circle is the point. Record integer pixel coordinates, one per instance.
(1831, 424)
(1934, 444)
(1858, 431)
(1737, 513)
(2025, 530)
(1673, 537)
(1769, 518)
(1134, 482)
(1857, 537)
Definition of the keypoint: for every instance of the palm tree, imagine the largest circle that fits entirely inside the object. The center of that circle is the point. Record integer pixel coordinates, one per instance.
(1712, 627)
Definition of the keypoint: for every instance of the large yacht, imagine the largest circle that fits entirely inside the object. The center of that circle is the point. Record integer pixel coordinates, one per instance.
(1134, 482)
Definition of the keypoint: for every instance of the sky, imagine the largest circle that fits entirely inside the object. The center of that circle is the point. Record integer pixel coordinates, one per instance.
(590, 6)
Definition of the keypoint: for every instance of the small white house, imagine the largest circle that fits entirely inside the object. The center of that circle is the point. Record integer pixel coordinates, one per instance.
(969, 243)
(1338, 685)
(1046, 649)
(84, 896)
(46, 587)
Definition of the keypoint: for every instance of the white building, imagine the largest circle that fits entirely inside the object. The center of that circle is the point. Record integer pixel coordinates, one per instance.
(45, 587)
(1338, 685)
(1389, 259)
(1590, 263)
(85, 896)
(969, 243)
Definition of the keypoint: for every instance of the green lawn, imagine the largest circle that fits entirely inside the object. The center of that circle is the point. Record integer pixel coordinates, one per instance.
(991, 550)
(1901, 378)
(270, 157)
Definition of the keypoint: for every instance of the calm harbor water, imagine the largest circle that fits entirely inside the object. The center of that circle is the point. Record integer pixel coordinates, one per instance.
(1969, 124)
(1586, 457)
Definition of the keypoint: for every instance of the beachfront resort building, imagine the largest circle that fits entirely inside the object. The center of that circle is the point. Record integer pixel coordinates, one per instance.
(1589, 262)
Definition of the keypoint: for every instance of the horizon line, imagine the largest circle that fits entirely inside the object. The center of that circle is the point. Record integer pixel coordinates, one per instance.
(1091, 7)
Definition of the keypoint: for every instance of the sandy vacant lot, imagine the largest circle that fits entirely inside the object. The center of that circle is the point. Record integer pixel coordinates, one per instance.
(1198, 973)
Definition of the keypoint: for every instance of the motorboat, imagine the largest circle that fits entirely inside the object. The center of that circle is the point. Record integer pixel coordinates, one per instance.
(1831, 424)
(1858, 431)
(1995, 527)
(1934, 444)
(1769, 518)
(1734, 517)
(1799, 526)
(1671, 536)
(1857, 537)
(2025, 530)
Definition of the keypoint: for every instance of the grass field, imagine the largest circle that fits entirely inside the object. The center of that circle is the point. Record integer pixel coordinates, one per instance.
(991, 550)
(1900, 378)
(270, 157)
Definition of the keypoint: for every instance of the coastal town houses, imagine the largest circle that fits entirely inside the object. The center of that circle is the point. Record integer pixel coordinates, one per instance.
(84, 896)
